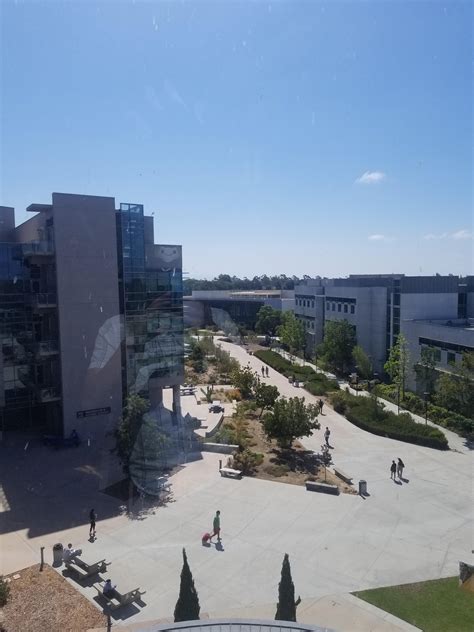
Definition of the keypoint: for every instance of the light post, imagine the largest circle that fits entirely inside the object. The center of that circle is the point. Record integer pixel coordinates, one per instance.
(375, 395)
(425, 397)
(398, 398)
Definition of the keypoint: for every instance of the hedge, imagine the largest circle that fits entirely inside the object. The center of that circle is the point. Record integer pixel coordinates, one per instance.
(442, 416)
(315, 383)
(361, 412)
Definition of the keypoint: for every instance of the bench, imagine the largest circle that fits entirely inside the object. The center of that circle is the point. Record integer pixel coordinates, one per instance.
(85, 570)
(325, 488)
(343, 476)
(118, 600)
(230, 472)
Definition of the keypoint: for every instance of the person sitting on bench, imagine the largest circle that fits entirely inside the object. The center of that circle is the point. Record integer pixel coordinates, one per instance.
(109, 590)
(70, 553)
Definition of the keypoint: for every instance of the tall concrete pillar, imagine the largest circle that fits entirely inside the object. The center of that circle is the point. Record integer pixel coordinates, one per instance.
(176, 404)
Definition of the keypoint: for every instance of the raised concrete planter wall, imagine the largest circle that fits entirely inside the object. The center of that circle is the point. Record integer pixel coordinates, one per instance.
(224, 448)
(325, 488)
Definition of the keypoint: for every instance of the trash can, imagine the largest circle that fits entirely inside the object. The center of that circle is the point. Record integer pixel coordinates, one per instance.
(363, 488)
(57, 554)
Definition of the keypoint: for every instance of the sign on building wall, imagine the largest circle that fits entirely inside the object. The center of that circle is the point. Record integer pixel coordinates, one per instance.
(92, 412)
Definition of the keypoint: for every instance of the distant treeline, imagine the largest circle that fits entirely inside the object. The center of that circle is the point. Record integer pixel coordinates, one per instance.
(227, 282)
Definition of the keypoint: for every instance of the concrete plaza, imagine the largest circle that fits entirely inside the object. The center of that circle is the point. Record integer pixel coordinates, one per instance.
(401, 533)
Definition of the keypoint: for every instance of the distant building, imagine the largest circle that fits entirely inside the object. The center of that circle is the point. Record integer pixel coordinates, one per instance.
(227, 309)
(381, 306)
(90, 310)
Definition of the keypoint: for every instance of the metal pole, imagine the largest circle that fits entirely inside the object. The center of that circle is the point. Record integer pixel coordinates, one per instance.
(42, 558)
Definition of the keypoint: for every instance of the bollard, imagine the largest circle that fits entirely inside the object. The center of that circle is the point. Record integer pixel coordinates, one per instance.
(220, 465)
(362, 488)
(42, 558)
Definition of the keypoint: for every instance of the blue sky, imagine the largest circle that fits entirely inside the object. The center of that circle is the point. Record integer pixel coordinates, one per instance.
(298, 138)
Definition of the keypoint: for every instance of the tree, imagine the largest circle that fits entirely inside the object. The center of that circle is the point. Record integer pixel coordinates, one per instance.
(244, 379)
(128, 428)
(291, 332)
(265, 395)
(268, 319)
(425, 369)
(286, 607)
(339, 342)
(290, 419)
(455, 391)
(398, 363)
(187, 607)
(197, 357)
(362, 360)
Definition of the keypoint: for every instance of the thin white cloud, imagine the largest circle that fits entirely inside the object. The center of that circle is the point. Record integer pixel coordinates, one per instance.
(462, 234)
(371, 177)
(432, 236)
(377, 237)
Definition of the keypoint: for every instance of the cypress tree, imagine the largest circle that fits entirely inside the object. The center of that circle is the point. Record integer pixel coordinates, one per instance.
(187, 606)
(286, 608)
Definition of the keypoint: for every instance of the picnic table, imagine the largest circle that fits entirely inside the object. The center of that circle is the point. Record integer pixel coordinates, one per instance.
(118, 599)
(84, 570)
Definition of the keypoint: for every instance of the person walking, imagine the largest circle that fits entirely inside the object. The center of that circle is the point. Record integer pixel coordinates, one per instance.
(327, 434)
(321, 404)
(266, 370)
(400, 466)
(263, 371)
(216, 526)
(92, 519)
(393, 470)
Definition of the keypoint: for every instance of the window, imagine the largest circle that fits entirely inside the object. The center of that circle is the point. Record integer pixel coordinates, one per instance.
(312, 304)
(345, 308)
(334, 307)
(451, 357)
(352, 309)
(339, 307)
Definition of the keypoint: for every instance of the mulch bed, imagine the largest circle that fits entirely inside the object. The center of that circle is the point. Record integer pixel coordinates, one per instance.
(43, 600)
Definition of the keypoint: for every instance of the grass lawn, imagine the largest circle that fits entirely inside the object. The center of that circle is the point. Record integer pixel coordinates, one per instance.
(434, 606)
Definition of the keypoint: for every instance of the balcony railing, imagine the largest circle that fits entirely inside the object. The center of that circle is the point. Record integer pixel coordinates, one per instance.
(43, 248)
(43, 299)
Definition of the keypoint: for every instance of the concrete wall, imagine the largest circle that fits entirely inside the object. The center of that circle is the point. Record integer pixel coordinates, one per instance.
(429, 305)
(88, 307)
(369, 319)
(414, 330)
(32, 229)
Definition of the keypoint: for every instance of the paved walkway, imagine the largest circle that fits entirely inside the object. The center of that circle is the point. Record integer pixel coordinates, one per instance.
(401, 533)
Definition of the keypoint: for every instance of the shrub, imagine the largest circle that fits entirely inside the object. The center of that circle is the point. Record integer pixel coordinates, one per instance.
(234, 393)
(316, 383)
(247, 461)
(362, 412)
(339, 402)
(453, 421)
(4, 591)
(277, 470)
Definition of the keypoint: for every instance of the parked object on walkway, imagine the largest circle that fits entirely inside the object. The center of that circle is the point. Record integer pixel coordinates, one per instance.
(363, 488)
(118, 600)
(84, 570)
(205, 539)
